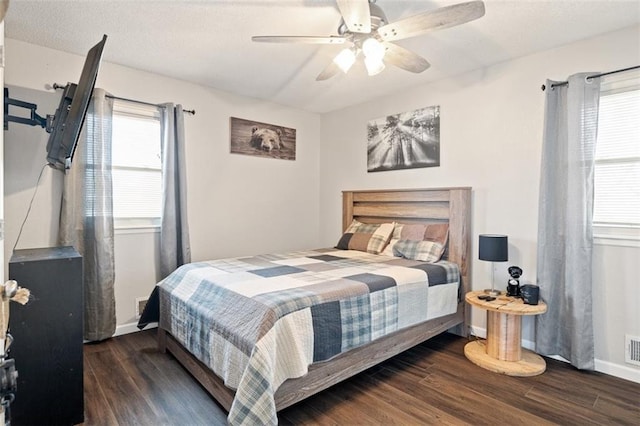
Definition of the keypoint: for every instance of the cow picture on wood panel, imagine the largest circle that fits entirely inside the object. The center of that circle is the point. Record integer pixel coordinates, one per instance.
(262, 140)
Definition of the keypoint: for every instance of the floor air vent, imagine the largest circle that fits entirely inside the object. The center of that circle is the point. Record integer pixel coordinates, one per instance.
(632, 353)
(141, 302)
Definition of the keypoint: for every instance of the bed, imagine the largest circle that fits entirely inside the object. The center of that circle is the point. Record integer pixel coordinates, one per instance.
(255, 396)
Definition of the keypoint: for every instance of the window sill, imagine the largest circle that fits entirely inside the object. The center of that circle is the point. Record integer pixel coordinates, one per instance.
(136, 230)
(622, 236)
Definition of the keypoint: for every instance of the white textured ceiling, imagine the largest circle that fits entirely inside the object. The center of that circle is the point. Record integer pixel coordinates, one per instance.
(209, 42)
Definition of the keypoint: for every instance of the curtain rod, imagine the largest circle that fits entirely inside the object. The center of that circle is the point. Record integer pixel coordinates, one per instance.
(564, 83)
(186, 111)
(57, 86)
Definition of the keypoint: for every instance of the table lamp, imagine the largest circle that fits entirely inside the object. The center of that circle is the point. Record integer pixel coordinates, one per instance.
(493, 248)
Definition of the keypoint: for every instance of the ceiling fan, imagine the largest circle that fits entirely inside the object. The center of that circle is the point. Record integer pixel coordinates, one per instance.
(364, 28)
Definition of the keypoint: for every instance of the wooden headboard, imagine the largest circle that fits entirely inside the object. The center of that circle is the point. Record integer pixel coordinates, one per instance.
(452, 205)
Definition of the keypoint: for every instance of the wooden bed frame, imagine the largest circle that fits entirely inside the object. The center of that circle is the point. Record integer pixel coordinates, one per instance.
(452, 205)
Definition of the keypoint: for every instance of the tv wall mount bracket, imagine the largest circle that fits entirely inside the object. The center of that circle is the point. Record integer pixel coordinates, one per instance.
(34, 119)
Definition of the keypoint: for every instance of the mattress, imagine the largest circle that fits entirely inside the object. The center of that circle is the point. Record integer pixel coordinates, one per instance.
(258, 321)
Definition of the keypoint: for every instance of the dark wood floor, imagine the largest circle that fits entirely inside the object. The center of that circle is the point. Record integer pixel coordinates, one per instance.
(128, 382)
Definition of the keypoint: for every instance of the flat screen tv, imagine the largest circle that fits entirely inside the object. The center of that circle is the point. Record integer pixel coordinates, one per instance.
(71, 112)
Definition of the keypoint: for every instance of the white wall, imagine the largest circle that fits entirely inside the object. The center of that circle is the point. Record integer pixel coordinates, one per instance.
(238, 205)
(25, 156)
(491, 124)
(491, 133)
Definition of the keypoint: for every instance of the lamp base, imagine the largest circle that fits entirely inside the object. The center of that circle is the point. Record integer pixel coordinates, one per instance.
(492, 292)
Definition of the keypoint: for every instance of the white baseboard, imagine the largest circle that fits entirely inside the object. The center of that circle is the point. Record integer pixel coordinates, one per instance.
(478, 332)
(617, 370)
(132, 327)
(606, 367)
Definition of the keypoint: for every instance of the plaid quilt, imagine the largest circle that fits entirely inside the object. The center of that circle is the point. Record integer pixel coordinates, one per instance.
(258, 321)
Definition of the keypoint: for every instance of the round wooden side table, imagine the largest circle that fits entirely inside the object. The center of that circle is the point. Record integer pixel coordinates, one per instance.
(502, 351)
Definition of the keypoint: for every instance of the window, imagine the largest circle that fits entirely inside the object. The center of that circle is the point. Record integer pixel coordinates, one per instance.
(617, 162)
(136, 165)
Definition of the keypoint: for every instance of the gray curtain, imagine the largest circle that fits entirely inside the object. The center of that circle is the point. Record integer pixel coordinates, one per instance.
(565, 237)
(175, 249)
(86, 218)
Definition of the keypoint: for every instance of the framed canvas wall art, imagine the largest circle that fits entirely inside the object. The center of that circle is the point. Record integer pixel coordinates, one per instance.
(404, 141)
(262, 140)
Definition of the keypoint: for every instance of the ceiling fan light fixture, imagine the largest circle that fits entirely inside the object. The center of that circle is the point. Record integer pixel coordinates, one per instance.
(374, 65)
(364, 27)
(345, 59)
(373, 49)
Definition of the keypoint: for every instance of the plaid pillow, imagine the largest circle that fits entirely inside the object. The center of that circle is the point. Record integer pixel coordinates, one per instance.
(371, 238)
(413, 231)
(426, 251)
(436, 232)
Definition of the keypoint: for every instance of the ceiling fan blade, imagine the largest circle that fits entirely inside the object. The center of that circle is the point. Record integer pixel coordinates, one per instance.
(331, 70)
(299, 39)
(356, 15)
(444, 17)
(405, 59)
(4, 5)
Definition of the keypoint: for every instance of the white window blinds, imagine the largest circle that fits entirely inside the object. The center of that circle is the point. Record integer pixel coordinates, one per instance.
(136, 164)
(617, 166)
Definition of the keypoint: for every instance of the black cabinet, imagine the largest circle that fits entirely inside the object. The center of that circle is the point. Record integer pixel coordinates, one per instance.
(47, 335)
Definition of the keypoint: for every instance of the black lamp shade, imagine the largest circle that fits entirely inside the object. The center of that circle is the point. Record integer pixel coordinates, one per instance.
(494, 248)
